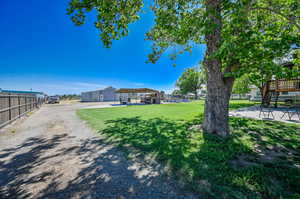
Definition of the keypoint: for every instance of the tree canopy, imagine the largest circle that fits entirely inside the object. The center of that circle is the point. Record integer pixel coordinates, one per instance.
(242, 85)
(241, 37)
(252, 30)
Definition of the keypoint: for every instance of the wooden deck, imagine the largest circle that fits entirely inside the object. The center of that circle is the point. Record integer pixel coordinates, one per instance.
(291, 85)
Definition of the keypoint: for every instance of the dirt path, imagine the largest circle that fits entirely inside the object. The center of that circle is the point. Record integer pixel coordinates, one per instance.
(52, 154)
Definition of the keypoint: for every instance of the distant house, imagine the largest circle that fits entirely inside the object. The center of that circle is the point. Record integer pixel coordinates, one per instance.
(107, 94)
(202, 91)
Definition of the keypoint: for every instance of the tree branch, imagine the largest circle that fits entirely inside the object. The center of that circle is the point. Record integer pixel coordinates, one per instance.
(277, 12)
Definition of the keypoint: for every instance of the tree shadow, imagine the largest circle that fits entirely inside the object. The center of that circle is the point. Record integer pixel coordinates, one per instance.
(259, 160)
(92, 169)
(237, 167)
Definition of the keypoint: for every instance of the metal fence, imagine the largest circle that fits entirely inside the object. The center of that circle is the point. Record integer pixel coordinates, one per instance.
(13, 106)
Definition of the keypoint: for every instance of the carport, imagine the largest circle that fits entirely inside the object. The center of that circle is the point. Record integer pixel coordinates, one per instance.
(138, 96)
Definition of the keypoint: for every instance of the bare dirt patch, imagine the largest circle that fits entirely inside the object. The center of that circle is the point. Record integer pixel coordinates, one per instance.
(52, 154)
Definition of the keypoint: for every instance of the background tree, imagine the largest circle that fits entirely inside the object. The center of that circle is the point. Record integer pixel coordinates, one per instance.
(234, 32)
(176, 92)
(190, 81)
(69, 97)
(242, 85)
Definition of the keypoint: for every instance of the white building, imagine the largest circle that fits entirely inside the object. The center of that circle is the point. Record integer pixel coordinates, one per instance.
(255, 95)
(107, 94)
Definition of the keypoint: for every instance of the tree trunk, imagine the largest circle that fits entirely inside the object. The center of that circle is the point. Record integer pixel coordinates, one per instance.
(265, 95)
(219, 88)
(216, 113)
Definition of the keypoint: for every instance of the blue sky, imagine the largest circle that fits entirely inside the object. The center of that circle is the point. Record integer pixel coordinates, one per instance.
(41, 49)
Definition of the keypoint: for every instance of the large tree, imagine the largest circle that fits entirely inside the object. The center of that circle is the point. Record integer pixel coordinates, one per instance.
(234, 32)
(190, 81)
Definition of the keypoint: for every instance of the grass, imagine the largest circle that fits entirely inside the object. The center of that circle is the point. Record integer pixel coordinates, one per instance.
(261, 159)
(182, 111)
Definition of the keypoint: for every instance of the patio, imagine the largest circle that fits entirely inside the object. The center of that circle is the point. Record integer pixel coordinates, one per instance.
(283, 114)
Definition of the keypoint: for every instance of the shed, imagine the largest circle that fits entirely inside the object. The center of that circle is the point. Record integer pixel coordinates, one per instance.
(104, 95)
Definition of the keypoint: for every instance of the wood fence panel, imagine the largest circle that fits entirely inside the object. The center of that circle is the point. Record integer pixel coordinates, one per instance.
(22, 102)
(13, 106)
(4, 103)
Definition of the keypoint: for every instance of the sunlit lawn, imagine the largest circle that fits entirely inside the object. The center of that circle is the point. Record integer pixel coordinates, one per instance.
(260, 159)
(178, 111)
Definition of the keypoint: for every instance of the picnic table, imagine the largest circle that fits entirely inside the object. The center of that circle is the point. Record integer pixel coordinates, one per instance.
(290, 112)
(266, 111)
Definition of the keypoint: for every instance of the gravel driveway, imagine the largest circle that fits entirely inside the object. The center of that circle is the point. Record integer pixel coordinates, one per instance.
(52, 154)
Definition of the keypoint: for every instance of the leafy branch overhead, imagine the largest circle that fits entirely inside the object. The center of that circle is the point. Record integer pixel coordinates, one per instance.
(113, 17)
(250, 28)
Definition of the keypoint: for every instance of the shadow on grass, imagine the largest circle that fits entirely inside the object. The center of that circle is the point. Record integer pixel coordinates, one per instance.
(260, 159)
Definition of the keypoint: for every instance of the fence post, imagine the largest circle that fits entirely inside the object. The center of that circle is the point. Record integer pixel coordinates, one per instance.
(9, 106)
(19, 103)
(25, 103)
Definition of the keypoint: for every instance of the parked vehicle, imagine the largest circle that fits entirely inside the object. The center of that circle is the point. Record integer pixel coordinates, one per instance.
(53, 100)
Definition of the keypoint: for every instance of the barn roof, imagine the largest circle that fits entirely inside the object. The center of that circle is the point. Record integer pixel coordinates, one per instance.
(136, 90)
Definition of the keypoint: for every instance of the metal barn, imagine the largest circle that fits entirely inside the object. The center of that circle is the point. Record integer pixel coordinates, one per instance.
(107, 94)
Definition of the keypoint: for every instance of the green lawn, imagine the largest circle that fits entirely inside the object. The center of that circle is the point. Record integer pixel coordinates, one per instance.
(181, 111)
(261, 159)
